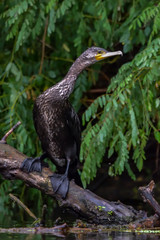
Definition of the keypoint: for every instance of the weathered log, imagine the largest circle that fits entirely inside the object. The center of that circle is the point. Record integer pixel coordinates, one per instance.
(85, 203)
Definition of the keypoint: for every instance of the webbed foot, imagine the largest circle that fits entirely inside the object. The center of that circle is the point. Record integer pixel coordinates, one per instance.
(33, 164)
(60, 184)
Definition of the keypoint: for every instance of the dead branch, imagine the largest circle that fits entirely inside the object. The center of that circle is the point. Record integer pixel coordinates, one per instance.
(59, 231)
(85, 203)
(146, 223)
(20, 203)
(43, 46)
(3, 140)
(146, 193)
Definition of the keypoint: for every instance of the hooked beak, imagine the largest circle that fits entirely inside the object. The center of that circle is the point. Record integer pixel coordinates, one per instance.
(104, 55)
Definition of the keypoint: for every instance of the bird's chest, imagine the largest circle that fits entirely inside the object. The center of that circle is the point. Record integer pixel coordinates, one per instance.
(51, 126)
(52, 118)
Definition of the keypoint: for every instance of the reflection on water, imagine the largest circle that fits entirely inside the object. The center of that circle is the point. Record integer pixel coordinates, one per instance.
(10, 218)
(96, 236)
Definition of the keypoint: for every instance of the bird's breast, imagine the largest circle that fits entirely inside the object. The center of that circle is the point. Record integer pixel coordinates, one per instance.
(51, 126)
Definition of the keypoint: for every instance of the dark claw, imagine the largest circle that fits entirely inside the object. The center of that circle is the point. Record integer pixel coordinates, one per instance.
(60, 184)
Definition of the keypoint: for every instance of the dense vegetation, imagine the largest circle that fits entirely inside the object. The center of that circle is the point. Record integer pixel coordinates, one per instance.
(39, 42)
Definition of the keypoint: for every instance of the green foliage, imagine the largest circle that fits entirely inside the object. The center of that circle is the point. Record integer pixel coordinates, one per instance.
(130, 109)
(117, 123)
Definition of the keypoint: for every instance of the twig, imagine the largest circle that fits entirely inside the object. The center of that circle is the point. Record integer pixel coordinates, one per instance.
(157, 156)
(100, 72)
(14, 198)
(43, 46)
(146, 193)
(46, 44)
(43, 217)
(101, 90)
(3, 140)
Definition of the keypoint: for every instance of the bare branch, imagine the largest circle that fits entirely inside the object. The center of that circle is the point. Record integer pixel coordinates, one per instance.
(20, 203)
(3, 140)
(43, 46)
(146, 193)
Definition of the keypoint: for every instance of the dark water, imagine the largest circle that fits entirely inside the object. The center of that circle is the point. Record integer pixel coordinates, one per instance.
(10, 221)
(16, 217)
(99, 236)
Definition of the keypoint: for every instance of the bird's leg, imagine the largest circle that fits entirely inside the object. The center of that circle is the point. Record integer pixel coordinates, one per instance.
(60, 183)
(34, 164)
(67, 168)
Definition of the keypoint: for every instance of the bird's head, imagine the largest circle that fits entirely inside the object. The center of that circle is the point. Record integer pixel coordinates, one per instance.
(87, 58)
(95, 54)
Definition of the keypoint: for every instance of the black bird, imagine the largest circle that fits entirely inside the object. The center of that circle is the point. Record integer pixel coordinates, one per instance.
(58, 126)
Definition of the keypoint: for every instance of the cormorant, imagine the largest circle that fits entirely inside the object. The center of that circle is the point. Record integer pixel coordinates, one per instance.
(58, 125)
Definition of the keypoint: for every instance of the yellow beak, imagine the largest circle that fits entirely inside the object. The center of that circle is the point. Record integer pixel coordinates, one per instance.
(101, 56)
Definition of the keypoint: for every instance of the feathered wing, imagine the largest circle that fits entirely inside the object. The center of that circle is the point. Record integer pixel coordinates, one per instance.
(60, 136)
(73, 124)
(59, 132)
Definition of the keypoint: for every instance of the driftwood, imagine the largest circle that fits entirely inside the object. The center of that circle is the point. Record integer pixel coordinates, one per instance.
(88, 205)
(147, 195)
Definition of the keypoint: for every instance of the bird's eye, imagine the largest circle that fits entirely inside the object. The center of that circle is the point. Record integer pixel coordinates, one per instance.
(99, 51)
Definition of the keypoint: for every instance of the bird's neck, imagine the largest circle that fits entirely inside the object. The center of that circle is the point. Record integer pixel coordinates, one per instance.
(77, 67)
(66, 86)
(63, 89)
